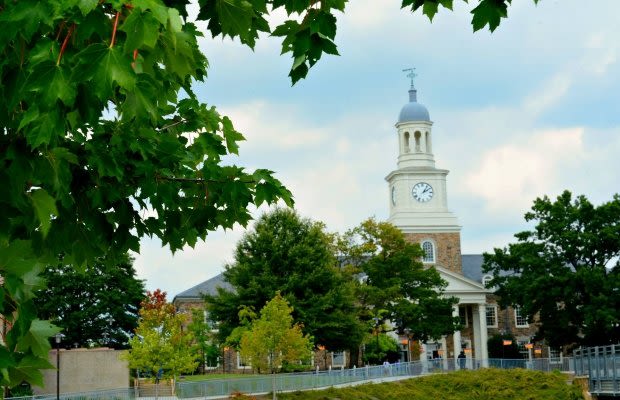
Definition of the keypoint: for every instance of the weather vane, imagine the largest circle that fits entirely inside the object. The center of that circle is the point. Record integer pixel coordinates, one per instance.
(411, 74)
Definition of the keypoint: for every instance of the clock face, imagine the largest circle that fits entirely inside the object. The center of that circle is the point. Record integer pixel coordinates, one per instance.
(422, 192)
(393, 195)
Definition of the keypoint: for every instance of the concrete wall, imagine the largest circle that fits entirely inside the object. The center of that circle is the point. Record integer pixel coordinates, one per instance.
(84, 370)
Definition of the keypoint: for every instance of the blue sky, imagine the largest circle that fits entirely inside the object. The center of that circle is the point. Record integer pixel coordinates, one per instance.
(529, 110)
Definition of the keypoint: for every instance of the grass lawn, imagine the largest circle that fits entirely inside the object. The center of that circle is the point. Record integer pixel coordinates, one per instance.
(486, 384)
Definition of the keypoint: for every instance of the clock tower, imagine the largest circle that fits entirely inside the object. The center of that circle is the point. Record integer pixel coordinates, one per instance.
(417, 190)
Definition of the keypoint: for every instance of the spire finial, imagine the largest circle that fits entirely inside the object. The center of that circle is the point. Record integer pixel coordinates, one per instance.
(411, 74)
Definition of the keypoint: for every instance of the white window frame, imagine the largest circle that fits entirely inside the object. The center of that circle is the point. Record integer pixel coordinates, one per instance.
(486, 279)
(519, 316)
(487, 309)
(434, 256)
(344, 359)
(239, 365)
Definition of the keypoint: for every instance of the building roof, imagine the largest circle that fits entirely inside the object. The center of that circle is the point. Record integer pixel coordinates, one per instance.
(472, 269)
(207, 287)
(413, 111)
(472, 266)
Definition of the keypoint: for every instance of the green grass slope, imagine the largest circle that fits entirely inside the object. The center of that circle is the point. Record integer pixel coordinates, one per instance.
(486, 384)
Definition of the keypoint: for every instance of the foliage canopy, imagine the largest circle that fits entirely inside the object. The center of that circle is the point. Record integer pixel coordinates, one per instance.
(97, 306)
(294, 256)
(160, 343)
(565, 272)
(394, 283)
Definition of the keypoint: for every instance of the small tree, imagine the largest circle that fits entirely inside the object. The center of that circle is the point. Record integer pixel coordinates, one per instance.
(160, 346)
(380, 347)
(273, 339)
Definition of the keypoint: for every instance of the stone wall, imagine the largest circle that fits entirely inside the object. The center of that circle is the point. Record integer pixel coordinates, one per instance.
(85, 370)
(447, 248)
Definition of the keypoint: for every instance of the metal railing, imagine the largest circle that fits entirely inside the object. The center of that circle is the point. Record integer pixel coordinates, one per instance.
(320, 379)
(602, 366)
(323, 379)
(110, 394)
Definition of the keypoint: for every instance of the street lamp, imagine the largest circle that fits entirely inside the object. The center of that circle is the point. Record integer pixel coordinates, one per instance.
(407, 333)
(58, 338)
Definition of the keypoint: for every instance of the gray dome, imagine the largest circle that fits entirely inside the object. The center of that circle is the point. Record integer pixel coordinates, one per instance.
(413, 111)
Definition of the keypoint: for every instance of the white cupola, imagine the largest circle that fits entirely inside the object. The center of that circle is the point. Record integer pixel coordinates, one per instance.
(414, 134)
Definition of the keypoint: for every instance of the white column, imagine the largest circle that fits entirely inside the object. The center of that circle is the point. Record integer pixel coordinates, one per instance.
(444, 347)
(456, 338)
(482, 316)
(476, 344)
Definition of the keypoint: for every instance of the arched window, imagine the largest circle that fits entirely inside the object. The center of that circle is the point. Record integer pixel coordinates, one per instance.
(406, 142)
(417, 137)
(486, 279)
(429, 252)
(429, 149)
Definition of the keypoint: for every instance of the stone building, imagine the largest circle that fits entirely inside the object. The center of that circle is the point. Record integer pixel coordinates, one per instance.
(418, 205)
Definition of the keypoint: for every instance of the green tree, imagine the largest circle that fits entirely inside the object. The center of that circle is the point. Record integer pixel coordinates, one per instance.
(202, 333)
(98, 305)
(564, 274)
(292, 255)
(395, 286)
(104, 140)
(274, 339)
(379, 347)
(160, 343)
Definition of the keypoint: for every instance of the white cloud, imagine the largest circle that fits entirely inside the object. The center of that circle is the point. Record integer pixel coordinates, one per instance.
(510, 176)
(274, 126)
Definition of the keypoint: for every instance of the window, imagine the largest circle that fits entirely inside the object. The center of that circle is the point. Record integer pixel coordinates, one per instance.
(520, 318)
(486, 279)
(406, 142)
(492, 316)
(463, 316)
(555, 355)
(338, 359)
(428, 143)
(522, 349)
(241, 363)
(417, 136)
(429, 252)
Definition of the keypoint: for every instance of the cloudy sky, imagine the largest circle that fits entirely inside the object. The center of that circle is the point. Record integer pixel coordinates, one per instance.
(527, 111)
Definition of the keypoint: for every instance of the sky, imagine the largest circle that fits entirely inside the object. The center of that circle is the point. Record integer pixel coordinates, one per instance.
(532, 109)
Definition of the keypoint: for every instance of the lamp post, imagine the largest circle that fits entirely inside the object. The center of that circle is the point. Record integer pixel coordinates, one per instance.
(58, 338)
(407, 333)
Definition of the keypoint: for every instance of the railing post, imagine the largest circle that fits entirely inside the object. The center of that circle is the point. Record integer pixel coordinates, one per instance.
(613, 368)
